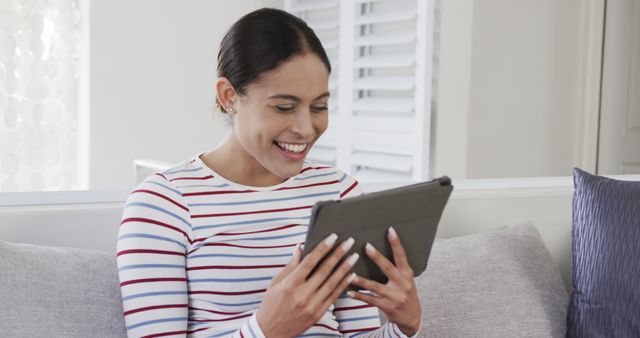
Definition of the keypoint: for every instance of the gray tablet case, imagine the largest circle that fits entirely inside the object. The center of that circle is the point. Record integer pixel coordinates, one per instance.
(414, 211)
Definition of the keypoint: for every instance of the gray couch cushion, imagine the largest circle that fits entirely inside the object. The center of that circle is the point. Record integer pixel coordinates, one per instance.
(501, 283)
(58, 292)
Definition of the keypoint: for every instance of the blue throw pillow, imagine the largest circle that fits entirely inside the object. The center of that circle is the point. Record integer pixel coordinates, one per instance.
(606, 258)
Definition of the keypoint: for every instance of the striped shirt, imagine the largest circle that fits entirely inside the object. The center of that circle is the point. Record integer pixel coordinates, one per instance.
(196, 252)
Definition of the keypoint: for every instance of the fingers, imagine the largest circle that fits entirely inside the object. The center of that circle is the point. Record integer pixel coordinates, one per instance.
(324, 270)
(381, 261)
(310, 261)
(399, 255)
(367, 284)
(291, 265)
(332, 284)
(331, 299)
(369, 299)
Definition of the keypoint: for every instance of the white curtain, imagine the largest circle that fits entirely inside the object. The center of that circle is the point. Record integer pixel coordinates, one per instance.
(39, 46)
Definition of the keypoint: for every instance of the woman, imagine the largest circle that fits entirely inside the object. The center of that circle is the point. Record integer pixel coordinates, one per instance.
(211, 246)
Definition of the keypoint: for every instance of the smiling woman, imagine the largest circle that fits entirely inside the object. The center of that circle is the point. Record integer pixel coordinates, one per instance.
(211, 247)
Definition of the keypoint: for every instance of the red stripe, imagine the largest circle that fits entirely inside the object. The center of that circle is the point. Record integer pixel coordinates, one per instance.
(241, 335)
(244, 246)
(203, 193)
(251, 232)
(154, 308)
(162, 175)
(347, 308)
(251, 212)
(326, 327)
(182, 333)
(309, 185)
(191, 178)
(152, 221)
(361, 330)
(162, 196)
(349, 189)
(234, 267)
(309, 168)
(214, 311)
(224, 293)
(160, 252)
(221, 320)
(151, 280)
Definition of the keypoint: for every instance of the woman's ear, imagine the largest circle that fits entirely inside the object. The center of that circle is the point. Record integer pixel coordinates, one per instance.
(226, 95)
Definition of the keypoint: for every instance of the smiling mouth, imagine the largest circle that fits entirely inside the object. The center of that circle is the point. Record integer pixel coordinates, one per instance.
(295, 148)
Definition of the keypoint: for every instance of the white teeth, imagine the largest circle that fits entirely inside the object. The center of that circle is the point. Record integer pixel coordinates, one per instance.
(294, 148)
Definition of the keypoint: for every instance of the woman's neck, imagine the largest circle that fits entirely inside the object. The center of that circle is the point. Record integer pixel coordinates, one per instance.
(233, 162)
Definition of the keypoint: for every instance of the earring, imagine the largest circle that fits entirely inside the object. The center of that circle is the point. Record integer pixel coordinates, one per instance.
(229, 110)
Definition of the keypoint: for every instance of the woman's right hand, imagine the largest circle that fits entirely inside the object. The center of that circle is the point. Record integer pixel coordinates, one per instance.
(296, 298)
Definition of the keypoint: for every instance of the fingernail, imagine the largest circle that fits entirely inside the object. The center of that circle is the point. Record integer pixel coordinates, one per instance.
(330, 240)
(393, 233)
(370, 249)
(352, 277)
(350, 294)
(346, 245)
(353, 259)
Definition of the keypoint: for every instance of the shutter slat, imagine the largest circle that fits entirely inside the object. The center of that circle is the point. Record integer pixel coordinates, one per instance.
(378, 176)
(385, 82)
(376, 104)
(385, 17)
(382, 61)
(383, 161)
(387, 124)
(313, 5)
(385, 39)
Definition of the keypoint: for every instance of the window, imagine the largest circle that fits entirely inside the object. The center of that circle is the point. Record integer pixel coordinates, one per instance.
(39, 125)
(381, 85)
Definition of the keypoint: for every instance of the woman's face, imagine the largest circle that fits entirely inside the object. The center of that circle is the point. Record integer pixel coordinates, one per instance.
(283, 114)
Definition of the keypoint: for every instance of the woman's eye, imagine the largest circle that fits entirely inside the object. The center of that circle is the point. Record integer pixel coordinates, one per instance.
(285, 109)
(319, 108)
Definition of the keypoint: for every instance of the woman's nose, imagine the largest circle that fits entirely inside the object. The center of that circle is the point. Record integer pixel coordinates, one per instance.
(303, 124)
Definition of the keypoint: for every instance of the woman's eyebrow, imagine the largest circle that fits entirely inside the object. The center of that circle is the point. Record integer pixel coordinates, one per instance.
(295, 98)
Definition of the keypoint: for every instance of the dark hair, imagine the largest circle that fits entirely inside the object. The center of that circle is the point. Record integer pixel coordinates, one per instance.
(262, 40)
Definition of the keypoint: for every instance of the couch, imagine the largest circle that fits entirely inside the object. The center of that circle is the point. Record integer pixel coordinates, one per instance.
(499, 268)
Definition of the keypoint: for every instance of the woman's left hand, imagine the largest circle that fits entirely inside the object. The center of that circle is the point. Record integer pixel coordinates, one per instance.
(398, 298)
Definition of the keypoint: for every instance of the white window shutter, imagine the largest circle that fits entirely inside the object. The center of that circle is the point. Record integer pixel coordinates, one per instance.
(381, 85)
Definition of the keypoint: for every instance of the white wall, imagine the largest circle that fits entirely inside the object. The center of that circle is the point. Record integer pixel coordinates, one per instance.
(508, 101)
(153, 67)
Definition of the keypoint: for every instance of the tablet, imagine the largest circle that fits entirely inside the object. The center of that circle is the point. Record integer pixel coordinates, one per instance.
(414, 211)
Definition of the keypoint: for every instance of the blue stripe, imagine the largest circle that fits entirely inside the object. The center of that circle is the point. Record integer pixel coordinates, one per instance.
(265, 238)
(357, 318)
(238, 256)
(314, 176)
(235, 304)
(150, 294)
(343, 177)
(253, 334)
(145, 266)
(265, 200)
(151, 206)
(249, 222)
(228, 280)
(160, 238)
(182, 171)
(149, 322)
(166, 187)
